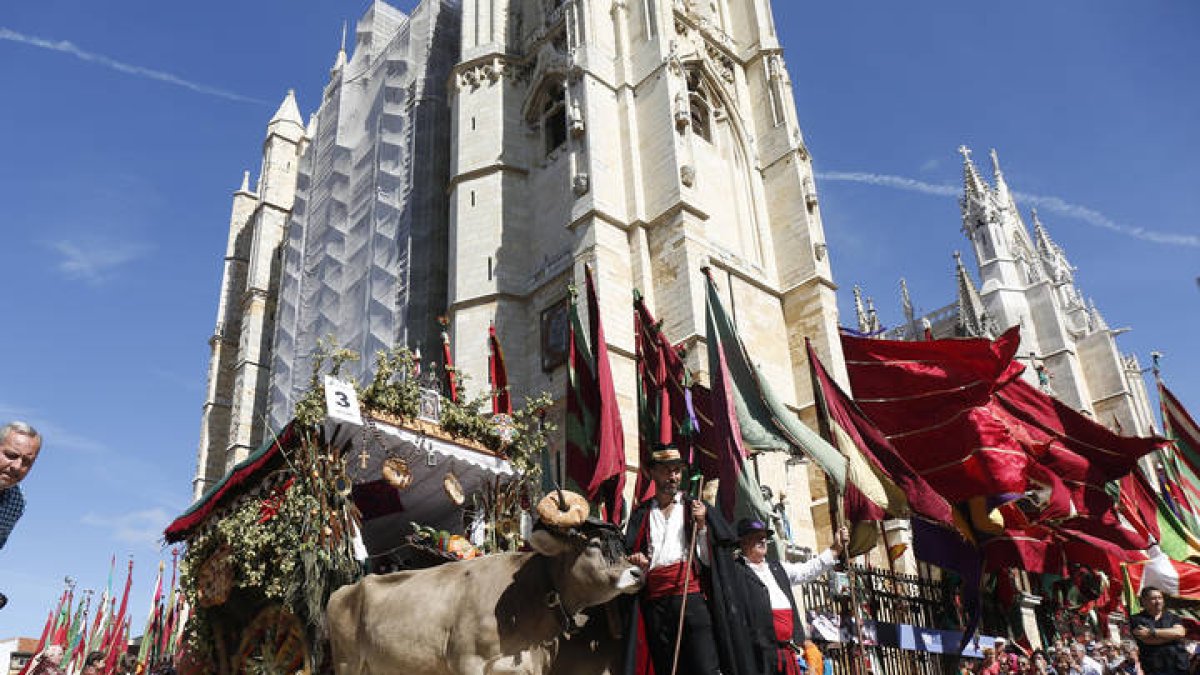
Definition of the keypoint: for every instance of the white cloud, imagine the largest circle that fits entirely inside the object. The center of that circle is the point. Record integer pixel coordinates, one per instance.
(1093, 217)
(95, 262)
(931, 164)
(1051, 204)
(884, 180)
(142, 527)
(66, 47)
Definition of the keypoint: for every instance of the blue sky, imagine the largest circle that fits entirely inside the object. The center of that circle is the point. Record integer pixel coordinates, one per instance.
(127, 125)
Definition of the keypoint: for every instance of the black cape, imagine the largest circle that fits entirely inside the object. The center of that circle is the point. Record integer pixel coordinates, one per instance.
(753, 597)
(718, 581)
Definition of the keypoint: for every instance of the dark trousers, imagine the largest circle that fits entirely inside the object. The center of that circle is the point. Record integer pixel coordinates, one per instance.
(698, 651)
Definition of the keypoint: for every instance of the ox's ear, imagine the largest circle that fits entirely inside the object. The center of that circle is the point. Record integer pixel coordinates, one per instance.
(547, 543)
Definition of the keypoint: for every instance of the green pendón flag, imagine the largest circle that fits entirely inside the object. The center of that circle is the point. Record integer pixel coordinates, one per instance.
(766, 423)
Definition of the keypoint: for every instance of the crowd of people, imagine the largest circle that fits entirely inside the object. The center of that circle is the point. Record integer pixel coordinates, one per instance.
(1158, 647)
(1093, 658)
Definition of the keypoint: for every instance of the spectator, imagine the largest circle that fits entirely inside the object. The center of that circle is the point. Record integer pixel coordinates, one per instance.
(19, 447)
(1085, 664)
(989, 666)
(1127, 661)
(1159, 636)
(1038, 664)
(93, 664)
(1063, 665)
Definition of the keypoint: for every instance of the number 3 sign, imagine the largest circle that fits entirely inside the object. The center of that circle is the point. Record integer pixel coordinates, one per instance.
(341, 401)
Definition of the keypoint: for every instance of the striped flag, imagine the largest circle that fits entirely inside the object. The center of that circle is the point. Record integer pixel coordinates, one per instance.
(145, 653)
(666, 414)
(113, 643)
(62, 625)
(77, 632)
(1175, 579)
(595, 440)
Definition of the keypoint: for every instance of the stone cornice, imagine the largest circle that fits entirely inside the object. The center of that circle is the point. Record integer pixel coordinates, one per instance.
(811, 280)
(486, 298)
(736, 270)
(601, 215)
(495, 167)
(680, 206)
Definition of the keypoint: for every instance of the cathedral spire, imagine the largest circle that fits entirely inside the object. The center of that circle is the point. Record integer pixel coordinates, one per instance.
(1002, 194)
(973, 319)
(245, 183)
(288, 111)
(906, 301)
(860, 312)
(872, 317)
(973, 185)
(339, 61)
(1045, 245)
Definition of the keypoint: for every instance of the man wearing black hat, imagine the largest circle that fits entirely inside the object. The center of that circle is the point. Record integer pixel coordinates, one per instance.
(657, 536)
(765, 591)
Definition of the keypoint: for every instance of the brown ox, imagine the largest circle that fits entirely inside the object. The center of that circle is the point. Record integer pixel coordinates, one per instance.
(496, 614)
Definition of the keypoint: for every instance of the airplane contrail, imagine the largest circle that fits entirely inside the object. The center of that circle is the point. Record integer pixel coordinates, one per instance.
(1046, 203)
(65, 47)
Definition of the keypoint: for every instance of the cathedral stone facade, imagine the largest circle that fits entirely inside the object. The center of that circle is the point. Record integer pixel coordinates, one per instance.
(470, 158)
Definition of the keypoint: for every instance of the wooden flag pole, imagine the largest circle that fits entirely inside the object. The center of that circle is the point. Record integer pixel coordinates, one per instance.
(836, 516)
(687, 578)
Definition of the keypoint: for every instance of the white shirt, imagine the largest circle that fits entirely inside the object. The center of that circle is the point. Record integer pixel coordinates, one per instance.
(1090, 666)
(797, 573)
(668, 536)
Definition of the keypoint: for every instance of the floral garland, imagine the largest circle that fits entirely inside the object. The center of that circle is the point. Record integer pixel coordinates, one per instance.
(287, 542)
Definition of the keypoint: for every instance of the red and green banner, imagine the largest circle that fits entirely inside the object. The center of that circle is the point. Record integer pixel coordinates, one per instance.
(595, 440)
(739, 494)
(1180, 428)
(666, 415)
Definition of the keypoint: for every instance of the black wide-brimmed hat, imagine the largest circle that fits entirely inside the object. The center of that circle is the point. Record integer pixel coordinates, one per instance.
(748, 526)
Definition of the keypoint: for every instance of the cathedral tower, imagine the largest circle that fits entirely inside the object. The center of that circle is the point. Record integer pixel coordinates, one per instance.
(469, 158)
(241, 344)
(649, 139)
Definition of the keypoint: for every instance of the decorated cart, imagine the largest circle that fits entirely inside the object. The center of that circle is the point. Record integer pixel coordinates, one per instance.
(408, 479)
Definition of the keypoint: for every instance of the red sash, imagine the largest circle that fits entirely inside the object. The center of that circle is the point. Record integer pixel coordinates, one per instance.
(668, 580)
(785, 658)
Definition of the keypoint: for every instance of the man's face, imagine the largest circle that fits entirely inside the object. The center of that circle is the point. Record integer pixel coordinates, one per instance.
(1153, 600)
(93, 669)
(17, 454)
(754, 546)
(667, 478)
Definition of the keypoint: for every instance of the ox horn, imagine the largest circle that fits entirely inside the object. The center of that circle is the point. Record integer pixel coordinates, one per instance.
(562, 500)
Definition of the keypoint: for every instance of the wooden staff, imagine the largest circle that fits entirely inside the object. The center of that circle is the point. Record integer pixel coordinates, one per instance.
(687, 577)
(837, 517)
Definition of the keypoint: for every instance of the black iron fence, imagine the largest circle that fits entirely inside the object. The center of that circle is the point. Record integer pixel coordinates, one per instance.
(882, 596)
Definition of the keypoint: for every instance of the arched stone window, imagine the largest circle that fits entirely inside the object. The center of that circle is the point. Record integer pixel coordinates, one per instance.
(554, 121)
(700, 107)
